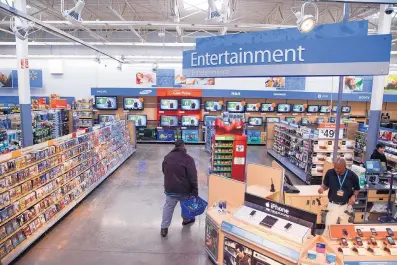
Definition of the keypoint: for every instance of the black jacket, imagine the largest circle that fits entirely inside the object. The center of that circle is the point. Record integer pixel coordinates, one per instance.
(180, 174)
(377, 155)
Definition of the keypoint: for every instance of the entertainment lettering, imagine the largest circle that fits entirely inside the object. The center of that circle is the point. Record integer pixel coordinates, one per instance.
(248, 57)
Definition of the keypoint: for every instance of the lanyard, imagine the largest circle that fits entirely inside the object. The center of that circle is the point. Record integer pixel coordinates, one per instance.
(343, 181)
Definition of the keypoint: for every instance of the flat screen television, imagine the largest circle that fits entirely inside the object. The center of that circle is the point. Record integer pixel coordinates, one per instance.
(331, 119)
(325, 109)
(320, 120)
(139, 120)
(334, 108)
(255, 121)
(305, 121)
(106, 117)
(133, 104)
(190, 136)
(267, 107)
(209, 120)
(346, 109)
(290, 119)
(106, 103)
(252, 107)
(213, 106)
(313, 109)
(235, 106)
(272, 119)
(283, 108)
(190, 104)
(169, 121)
(190, 121)
(168, 104)
(298, 108)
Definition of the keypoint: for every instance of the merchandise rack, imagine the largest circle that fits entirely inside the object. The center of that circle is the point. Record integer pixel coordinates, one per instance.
(71, 185)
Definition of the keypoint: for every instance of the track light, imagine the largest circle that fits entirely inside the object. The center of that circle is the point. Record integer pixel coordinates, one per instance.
(213, 11)
(74, 15)
(306, 22)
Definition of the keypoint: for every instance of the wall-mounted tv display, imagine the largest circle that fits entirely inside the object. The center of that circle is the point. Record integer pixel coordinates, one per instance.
(235, 106)
(272, 119)
(133, 104)
(320, 120)
(106, 103)
(334, 108)
(331, 119)
(106, 117)
(168, 104)
(346, 109)
(313, 109)
(169, 121)
(213, 106)
(325, 109)
(290, 119)
(267, 107)
(298, 108)
(305, 121)
(190, 104)
(190, 121)
(209, 120)
(138, 119)
(252, 107)
(283, 108)
(255, 121)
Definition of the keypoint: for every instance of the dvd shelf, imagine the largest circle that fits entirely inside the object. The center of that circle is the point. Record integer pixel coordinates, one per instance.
(40, 184)
(83, 109)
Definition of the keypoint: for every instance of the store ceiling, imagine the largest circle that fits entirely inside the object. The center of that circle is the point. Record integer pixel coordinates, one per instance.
(145, 19)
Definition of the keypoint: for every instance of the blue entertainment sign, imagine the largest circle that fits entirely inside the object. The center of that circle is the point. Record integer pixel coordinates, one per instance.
(359, 55)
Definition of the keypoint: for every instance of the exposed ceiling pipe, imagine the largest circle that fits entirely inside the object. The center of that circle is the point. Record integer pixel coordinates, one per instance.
(52, 29)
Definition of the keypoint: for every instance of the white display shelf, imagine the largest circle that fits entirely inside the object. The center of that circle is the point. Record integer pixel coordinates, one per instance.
(37, 234)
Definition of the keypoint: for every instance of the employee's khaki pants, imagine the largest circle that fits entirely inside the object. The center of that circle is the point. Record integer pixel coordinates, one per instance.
(335, 212)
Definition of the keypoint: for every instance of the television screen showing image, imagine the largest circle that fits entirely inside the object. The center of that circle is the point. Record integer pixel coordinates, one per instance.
(190, 104)
(235, 106)
(283, 108)
(331, 120)
(267, 107)
(139, 120)
(106, 117)
(190, 121)
(313, 109)
(133, 104)
(320, 120)
(209, 120)
(213, 106)
(168, 104)
(334, 108)
(252, 107)
(255, 121)
(190, 136)
(290, 119)
(298, 108)
(346, 109)
(305, 121)
(272, 119)
(106, 103)
(169, 121)
(325, 109)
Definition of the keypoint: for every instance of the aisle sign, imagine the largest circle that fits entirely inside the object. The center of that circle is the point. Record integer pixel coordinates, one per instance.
(327, 131)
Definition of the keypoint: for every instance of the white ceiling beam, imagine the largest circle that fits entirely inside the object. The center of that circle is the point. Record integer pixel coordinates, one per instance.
(176, 16)
(131, 28)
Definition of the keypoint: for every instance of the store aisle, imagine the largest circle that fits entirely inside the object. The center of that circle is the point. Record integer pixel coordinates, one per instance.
(119, 223)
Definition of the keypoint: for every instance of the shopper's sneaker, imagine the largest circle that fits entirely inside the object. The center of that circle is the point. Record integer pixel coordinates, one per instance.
(164, 232)
(189, 221)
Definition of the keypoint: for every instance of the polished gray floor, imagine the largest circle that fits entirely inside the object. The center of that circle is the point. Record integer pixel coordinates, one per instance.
(119, 222)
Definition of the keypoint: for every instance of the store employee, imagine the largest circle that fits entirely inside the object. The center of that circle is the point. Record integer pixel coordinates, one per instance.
(343, 185)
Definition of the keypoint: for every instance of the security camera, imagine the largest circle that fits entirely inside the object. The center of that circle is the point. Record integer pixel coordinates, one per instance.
(389, 10)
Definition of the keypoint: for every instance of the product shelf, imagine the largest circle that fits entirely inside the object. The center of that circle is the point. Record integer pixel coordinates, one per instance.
(223, 153)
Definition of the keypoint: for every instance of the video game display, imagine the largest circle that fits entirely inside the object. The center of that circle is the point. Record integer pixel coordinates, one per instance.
(267, 107)
(190, 121)
(106, 103)
(168, 104)
(133, 104)
(235, 106)
(169, 121)
(190, 104)
(139, 120)
(213, 106)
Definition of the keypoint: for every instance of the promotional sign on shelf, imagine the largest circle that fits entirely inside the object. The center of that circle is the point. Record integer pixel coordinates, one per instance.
(328, 130)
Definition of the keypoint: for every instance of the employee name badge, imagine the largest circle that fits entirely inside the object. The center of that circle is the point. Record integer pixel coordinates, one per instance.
(340, 193)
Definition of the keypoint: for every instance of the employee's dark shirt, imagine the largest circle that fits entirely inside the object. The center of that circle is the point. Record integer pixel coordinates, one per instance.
(377, 155)
(350, 185)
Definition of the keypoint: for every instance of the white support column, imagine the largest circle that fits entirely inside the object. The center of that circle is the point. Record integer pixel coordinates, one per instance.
(24, 82)
(377, 89)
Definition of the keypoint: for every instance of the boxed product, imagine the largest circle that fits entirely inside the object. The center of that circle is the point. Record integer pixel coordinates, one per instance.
(15, 192)
(8, 245)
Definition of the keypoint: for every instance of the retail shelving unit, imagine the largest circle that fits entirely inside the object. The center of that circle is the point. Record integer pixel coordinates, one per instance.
(83, 109)
(41, 184)
(360, 148)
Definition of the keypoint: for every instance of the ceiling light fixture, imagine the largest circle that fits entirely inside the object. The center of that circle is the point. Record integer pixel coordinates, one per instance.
(306, 22)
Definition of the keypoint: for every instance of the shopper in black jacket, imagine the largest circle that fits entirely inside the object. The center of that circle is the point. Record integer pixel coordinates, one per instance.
(379, 153)
(180, 182)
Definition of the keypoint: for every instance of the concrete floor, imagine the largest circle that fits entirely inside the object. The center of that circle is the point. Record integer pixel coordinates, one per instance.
(119, 222)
